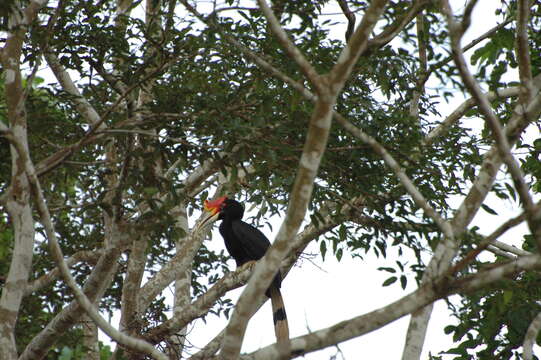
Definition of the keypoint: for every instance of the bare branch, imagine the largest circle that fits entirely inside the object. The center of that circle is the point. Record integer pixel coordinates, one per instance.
(17, 199)
(94, 288)
(316, 141)
(356, 46)
(399, 172)
(530, 337)
(233, 280)
(503, 146)
(523, 50)
(86, 110)
(42, 281)
(487, 241)
(392, 31)
(419, 87)
(461, 110)
(82, 299)
(376, 319)
(295, 54)
(472, 43)
(350, 16)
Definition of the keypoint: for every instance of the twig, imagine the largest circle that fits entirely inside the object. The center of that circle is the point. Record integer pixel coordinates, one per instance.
(489, 240)
(474, 42)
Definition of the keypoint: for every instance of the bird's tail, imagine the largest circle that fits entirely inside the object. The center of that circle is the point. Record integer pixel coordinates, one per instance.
(281, 327)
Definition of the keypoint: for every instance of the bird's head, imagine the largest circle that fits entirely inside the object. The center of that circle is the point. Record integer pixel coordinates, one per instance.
(220, 208)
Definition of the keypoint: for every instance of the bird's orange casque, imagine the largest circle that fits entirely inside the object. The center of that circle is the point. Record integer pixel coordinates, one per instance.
(214, 206)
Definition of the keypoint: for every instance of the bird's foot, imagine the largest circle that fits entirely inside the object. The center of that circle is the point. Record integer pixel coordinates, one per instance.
(249, 264)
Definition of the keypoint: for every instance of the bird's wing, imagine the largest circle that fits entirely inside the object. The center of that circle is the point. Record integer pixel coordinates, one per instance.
(253, 241)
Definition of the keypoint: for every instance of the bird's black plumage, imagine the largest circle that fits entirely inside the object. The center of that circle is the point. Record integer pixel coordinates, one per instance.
(243, 241)
(246, 243)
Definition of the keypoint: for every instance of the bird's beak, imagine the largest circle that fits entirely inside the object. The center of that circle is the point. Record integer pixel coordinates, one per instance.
(213, 208)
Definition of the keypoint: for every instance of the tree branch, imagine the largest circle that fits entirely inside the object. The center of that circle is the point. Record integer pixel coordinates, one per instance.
(82, 299)
(503, 146)
(44, 280)
(295, 54)
(316, 141)
(523, 50)
(530, 337)
(376, 319)
(350, 16)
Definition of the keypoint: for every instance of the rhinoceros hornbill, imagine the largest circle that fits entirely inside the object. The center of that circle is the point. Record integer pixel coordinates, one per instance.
(246, 244)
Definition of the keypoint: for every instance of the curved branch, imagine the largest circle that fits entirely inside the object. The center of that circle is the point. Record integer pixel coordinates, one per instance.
(86, 255)
(350, 16)
(376, 319)
(295, 54)
(503, 145)
(461, 110)
(530, 337)
(82, 299)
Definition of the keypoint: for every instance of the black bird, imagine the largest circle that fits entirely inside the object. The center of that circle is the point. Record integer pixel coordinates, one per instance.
(246, 244)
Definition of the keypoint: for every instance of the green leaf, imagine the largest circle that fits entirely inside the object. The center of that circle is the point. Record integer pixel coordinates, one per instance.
(342, 232)
(390, 281)
(449, 329)
(323, 249)
(339, 254)
(403, 281)
(488, 209)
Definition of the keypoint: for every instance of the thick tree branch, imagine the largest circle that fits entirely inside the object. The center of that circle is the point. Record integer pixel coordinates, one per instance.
(531, 337)
(523, 50)
(17, 198)
(183, 316)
